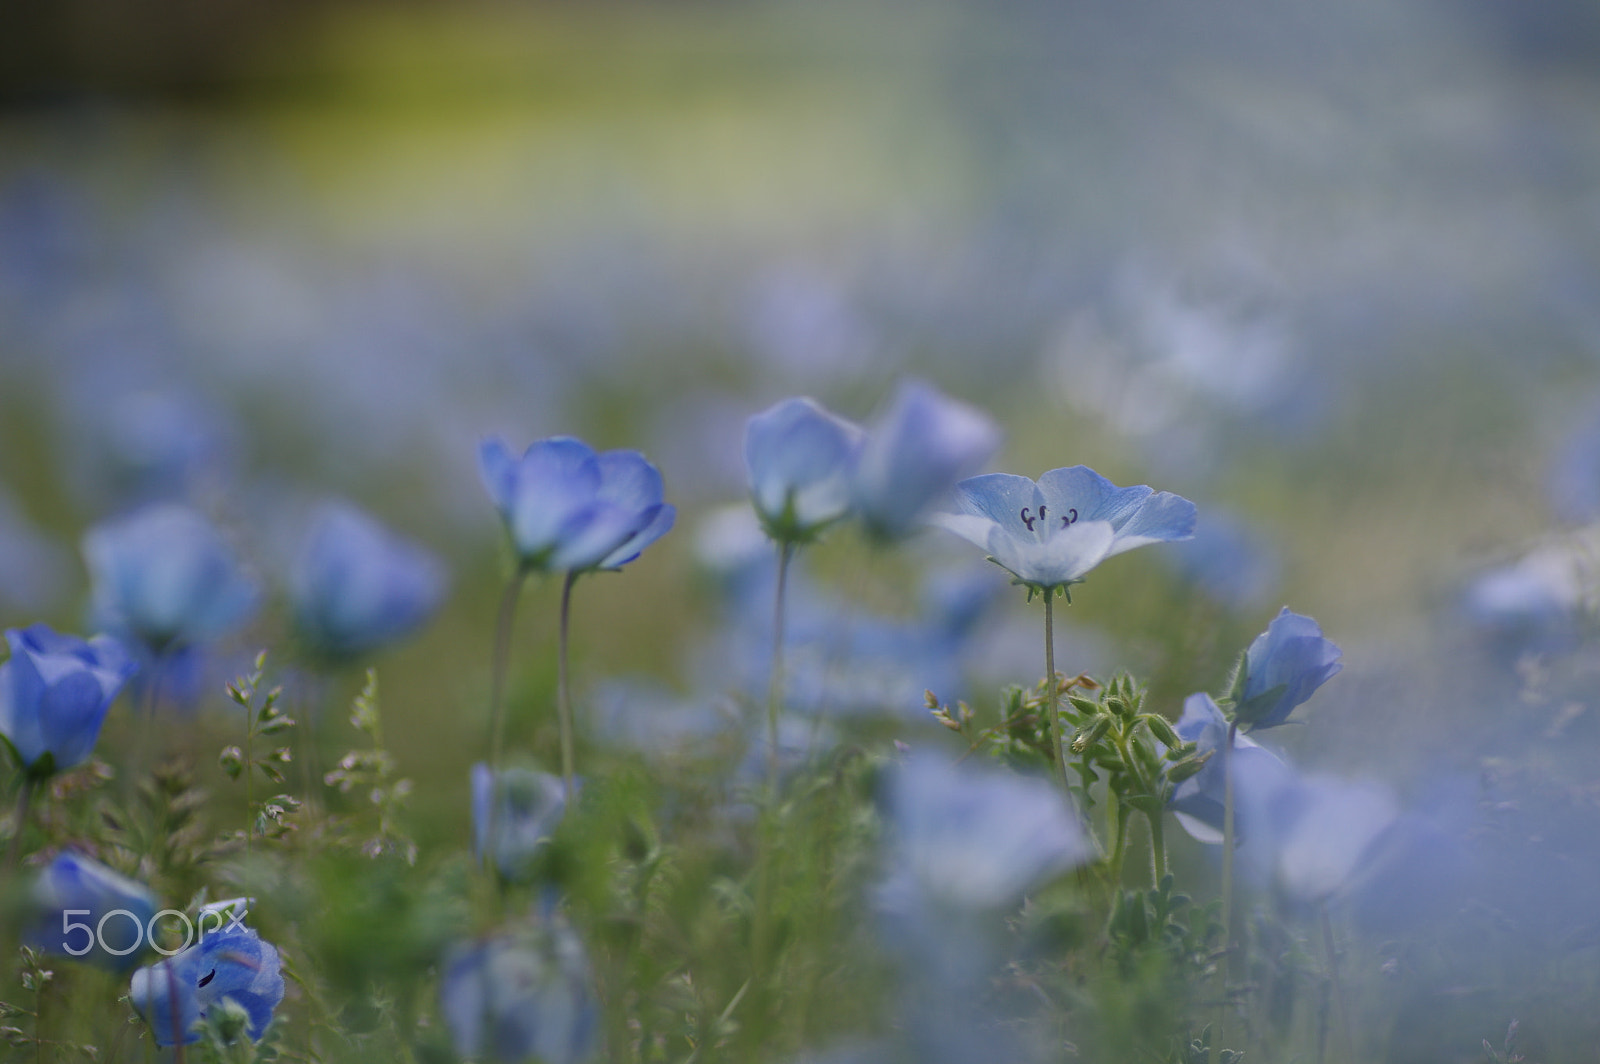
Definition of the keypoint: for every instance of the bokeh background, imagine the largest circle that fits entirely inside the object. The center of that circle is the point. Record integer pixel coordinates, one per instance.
(1330, 270)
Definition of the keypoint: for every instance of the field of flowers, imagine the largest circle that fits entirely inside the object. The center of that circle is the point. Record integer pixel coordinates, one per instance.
(570, 534)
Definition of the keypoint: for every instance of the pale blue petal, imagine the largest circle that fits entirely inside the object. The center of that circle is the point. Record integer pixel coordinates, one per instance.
(915, 453)
(1162, 518)
(608, 528)
(659, 526)
(498, 469)
(1093, 496)
(1001, 498)
(799, 455)
(629, 480)
(1063, 558)
(556, 486)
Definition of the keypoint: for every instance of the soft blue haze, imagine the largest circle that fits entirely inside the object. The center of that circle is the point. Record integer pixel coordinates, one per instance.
(527, 807)
(567, 508)
(1331, 825)
(75, 882)
(356, 586)
(54, 693)
(966, 837)
(915, 451)
(801, 461)
(1050, 534)
(165, 575)
(233, 963)
(1282, 668)
(516, 996)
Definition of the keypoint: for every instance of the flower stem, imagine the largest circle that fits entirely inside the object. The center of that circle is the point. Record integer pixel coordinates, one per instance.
(249, 771)
(1158, 848)
(765, 827)
(563, 692)
(1051, 692)
(1119, 841)
(1227, 876)
(775, 680)
(502, 655)
(24, 806)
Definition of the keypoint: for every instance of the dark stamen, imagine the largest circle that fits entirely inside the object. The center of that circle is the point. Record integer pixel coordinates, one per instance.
(207, 978)
(1028, 520)
(1072, 516)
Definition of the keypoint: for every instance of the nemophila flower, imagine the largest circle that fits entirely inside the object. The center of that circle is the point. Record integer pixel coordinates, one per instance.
(801, 462)
(82, 909)
(972, 838)
(517, 996)
(356, 586)
(54, 693)
(569, 509)
(915, 451)
(233, 964)
(1259, 776)
(1049, 534)
(165, 575)
(1282, 668)
(522, 808)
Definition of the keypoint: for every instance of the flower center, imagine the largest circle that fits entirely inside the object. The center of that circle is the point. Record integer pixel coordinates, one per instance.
(1028, 518)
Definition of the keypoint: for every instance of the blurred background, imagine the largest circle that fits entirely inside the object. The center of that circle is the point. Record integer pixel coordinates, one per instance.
(1330, 270)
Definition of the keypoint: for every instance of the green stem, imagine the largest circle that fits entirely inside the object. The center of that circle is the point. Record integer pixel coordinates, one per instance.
(1119, 842)
(249, 771)
(563, 692)
(1051, 691)
(1158, 848)
(24, 806)
(775, 680)
(764, 823)
(502, 655)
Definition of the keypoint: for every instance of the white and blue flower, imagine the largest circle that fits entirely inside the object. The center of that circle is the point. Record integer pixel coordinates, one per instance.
(1050, 534)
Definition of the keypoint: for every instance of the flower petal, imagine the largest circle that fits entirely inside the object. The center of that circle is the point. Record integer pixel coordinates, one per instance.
(1061, 559)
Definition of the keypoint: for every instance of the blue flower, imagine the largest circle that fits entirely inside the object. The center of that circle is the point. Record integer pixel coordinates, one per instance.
(801, 462)
(914, 454)
(83, 909)
(166, 575)
(516, 996)
(570, 509)
(530, 806)
(1258, 776)
(54, 693)
(1049, 534)
(1282, 668)
(968, 838)
(233, 964)
(356, 586)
